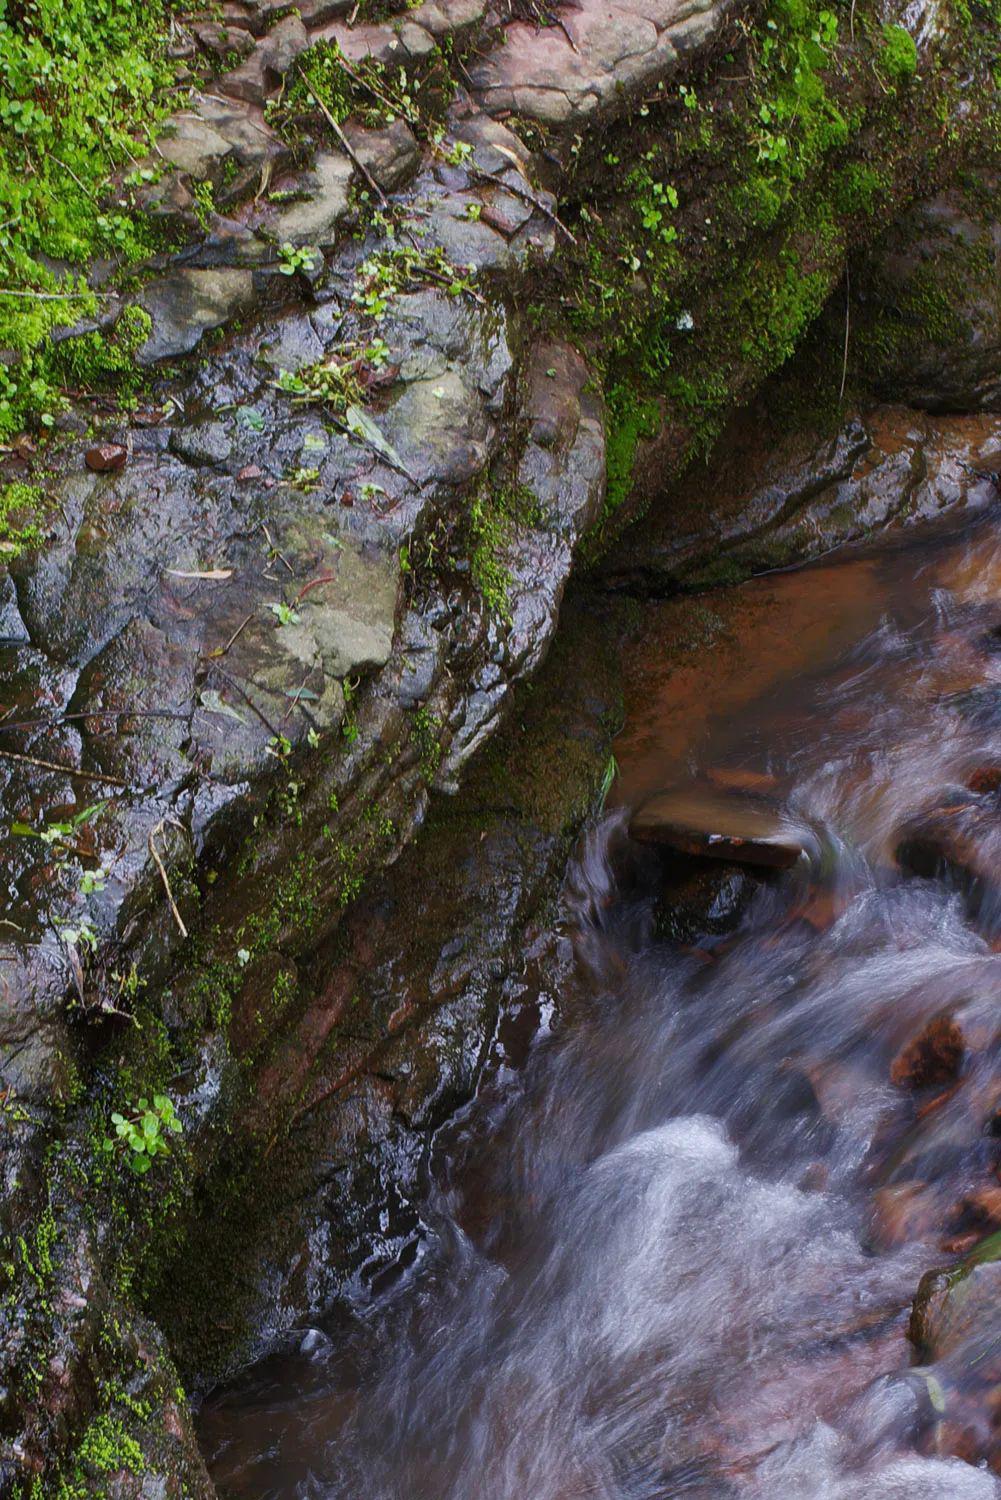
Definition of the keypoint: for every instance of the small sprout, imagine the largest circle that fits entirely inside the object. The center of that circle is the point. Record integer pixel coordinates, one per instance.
(284, 613)
(295, 259)
(143, 1132)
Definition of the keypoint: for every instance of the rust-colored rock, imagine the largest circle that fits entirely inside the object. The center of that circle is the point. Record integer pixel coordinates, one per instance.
(106, 458)
(902, 1212)
(985, 779)
(718, 825)
(934, 1056)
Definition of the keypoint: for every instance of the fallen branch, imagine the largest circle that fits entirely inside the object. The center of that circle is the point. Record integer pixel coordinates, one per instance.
(51, 765)
(151, 841)
(524, 195)
(352, 154)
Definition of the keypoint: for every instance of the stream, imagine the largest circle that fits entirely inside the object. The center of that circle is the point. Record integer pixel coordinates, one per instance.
(675, 1253)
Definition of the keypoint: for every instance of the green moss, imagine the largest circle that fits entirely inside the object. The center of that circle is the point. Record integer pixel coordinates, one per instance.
(21, 511)
(630, 419)
(81, 88)
(899, 56)
(427, 739)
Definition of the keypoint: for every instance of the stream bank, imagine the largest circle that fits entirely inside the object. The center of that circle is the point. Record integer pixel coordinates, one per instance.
(336, 630)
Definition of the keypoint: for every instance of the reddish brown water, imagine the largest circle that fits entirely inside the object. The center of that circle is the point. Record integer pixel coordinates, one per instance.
(675, 1254)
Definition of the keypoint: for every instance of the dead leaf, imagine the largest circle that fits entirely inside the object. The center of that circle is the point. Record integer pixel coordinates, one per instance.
(217, 573)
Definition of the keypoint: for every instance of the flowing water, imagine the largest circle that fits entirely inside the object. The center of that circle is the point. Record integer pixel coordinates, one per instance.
(675, 1253)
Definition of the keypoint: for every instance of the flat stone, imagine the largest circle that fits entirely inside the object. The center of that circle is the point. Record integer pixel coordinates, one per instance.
(316, 219)
(693, 820)
(186, 304)
(391, 156)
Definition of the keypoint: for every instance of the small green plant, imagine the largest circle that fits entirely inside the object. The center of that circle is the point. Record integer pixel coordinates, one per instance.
(204, 203)
(293, 260)
(341, 380)
(284, 613)
(144, 1132)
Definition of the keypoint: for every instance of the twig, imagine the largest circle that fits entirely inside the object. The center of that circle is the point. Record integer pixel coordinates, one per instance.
(51, 765)
(95, 713)
(51, 296)
(525, 195)
(376, 189)
(851, 20)
(848, 305)
(83, 188)
(364, 83)
(215, 667)
(274, 549)
(314, 583)
(151, 841)
(221, 650)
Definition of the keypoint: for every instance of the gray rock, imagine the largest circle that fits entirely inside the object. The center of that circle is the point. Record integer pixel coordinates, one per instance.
(392, 156)
(204, 443)
(316, 220)
(186, 304)
(261, 74)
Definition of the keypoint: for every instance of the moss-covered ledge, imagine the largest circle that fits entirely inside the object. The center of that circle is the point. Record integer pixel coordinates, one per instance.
(716, 222)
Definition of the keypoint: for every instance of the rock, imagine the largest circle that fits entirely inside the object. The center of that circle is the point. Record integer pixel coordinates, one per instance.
(934, 1056)
(961, 841)
(391, 156)
(222, 141)
(261, 74)
(185, 304)
(985, 780)
(316, 219)
(106, 458)
(605, 54)
(204, 443)
(225, 43)
(743, 830)
(930, 299)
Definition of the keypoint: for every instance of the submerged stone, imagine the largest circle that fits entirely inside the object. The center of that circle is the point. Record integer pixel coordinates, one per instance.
(695, 820)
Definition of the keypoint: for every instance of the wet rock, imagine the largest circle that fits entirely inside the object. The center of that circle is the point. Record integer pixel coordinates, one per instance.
(227, 44)
(935, 1056)
(985, 780)
(203, 443)
(958, 1310)
(261, 74)
(391, 156)
(902, 1213)
(185, 304)
(706, 822)
(316, 219)
(106, 458)
(602, 56)
(959, 841)
(930, 296)
(774, 499)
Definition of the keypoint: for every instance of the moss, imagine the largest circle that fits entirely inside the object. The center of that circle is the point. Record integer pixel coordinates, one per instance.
(99, 359)
(21, 512)
(427, 739)
(82, 87)
(630, 419)
(899, 57)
